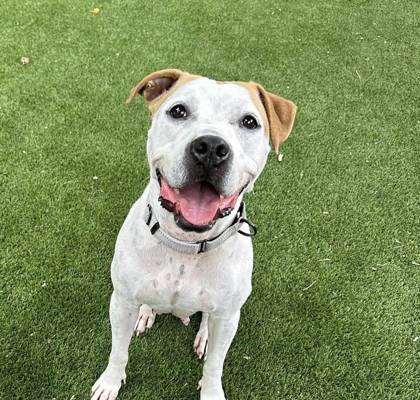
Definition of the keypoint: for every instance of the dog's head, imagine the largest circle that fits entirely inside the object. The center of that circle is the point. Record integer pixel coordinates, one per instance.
(209, 141)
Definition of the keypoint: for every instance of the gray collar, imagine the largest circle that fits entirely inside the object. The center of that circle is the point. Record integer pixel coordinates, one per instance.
(203, 245)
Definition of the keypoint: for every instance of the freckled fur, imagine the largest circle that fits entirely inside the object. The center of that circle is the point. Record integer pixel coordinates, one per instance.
(181, 269)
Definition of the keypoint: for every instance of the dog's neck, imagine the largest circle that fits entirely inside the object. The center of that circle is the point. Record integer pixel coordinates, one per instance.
(167, 222)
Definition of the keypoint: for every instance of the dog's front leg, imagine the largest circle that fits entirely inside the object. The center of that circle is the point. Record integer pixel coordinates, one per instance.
(123, 315)
(221, 333)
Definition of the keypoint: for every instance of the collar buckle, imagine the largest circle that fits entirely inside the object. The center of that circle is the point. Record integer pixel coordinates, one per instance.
(203, 247)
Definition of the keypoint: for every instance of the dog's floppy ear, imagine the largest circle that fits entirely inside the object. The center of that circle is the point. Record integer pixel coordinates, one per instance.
(155, 85)
(280, 114)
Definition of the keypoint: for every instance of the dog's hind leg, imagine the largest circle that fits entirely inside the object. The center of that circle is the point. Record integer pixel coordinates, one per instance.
(145, 319)
(200, 342)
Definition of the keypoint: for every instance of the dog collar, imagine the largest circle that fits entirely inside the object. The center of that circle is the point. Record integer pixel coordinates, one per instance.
(202, 246)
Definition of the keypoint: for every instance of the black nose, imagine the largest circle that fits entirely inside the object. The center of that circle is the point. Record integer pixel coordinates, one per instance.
(210, 151)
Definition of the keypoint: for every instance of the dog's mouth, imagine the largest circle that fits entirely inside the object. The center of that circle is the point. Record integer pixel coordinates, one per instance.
(196, 206)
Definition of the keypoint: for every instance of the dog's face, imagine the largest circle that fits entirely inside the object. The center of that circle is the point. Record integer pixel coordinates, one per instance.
(208, 142)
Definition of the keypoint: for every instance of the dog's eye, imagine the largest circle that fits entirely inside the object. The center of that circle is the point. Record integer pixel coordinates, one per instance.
(249, 122)
(178, 111)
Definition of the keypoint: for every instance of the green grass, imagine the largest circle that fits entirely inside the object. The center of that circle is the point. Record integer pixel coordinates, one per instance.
(340, 212)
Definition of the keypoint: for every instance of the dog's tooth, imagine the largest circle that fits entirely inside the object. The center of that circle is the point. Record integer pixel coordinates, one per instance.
(176, 191)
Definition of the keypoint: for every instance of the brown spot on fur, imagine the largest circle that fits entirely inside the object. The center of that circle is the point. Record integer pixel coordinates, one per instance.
(181, 269)
(157, 86)
(279, 113)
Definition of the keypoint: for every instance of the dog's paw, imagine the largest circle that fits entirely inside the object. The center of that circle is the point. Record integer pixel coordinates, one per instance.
(145, 319)
(107, 387)
(200, 343)
(211, 389)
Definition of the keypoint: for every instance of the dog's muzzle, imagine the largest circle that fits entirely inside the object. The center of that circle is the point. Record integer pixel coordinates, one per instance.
(201, 200)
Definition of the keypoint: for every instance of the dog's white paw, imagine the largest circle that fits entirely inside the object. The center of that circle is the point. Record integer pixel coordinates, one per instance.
(145, 319)
(211, 389)
(107, 386)
(200, 343)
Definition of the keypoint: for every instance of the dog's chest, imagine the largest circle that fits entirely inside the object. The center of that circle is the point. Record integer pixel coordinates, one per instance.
(184, 285)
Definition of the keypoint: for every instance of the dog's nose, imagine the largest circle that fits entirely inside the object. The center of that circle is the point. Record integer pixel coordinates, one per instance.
(210, 151)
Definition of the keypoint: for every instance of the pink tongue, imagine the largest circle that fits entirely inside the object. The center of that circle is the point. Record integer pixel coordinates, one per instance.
(199, 203)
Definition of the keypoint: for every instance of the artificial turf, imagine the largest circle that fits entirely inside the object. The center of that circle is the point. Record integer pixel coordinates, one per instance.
(334, 312)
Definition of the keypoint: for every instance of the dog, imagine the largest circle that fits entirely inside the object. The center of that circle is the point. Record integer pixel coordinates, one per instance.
(185, 246)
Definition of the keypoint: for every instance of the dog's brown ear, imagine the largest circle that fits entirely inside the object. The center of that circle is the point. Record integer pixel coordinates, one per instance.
(154, 86)
(280, 114)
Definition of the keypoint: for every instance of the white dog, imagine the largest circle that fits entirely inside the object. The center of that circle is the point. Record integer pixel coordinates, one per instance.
(184, 246)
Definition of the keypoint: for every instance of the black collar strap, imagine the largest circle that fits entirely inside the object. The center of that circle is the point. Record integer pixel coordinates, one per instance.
(203, 245)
